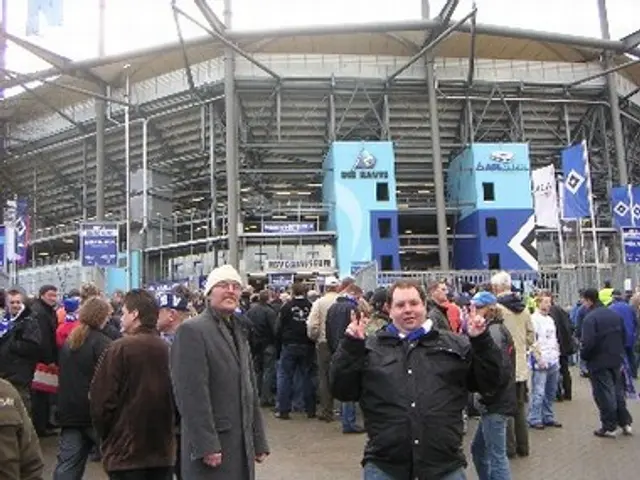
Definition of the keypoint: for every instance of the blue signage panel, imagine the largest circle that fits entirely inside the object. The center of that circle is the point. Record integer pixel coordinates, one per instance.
(631, 245)
(283, 228)
(359, 180)
(99, 244)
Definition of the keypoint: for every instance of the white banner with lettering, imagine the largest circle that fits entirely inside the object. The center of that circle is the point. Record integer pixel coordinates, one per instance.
(545, 197)
(300, 265)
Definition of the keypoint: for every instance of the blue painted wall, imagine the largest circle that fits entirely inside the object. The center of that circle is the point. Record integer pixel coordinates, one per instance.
(116, 278)
(507, 167)
(389, 246)
(352, 170)
(461, 183)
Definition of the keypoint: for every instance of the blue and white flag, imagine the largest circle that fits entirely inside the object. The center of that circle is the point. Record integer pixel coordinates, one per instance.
(625, 206)
(577, 182)
(51, 10)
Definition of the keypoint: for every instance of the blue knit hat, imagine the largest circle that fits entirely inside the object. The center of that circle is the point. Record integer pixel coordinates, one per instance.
(71, 304)
(484, 299)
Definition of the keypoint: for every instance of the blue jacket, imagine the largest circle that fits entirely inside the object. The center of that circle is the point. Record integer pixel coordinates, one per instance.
(603, 339)
(630, 319)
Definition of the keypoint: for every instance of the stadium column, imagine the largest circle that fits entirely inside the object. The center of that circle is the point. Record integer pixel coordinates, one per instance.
(101, 113)
(231, 111)
(438, 173)
(614, 101)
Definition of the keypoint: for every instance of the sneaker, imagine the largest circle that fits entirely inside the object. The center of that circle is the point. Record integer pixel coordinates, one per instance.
(282, 415)
(602, 433)
(627, 430)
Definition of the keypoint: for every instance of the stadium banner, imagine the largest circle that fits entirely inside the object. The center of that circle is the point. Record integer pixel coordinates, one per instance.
(282, 228)
(545, 197)
(99, 244)
(575, 168)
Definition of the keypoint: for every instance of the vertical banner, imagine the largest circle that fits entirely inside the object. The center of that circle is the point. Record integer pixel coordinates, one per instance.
(625, 206)
(575, 169)
(21, 230)
(545, 198)
(99, 244)
(2, 254)
(631, 245)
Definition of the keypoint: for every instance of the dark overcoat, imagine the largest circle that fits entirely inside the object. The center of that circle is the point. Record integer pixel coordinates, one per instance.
(215, 391)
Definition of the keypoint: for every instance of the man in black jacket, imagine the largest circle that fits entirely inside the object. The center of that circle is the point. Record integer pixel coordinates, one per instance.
(603, 339)
(43, 311)
(413, 381)
(565, 341)
(297, 353)
(19, 346)
(263, 319)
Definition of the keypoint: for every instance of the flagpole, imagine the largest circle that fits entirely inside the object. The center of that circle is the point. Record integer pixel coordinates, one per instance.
(560, 214)
(592, 214)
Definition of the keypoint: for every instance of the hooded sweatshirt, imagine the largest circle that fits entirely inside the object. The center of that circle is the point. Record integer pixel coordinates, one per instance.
(517, 319)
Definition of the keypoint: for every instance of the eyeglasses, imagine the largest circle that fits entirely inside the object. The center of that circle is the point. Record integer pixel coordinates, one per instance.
(228, 285)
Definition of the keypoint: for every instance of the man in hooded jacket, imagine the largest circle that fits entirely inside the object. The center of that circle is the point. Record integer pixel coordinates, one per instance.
(517, 319)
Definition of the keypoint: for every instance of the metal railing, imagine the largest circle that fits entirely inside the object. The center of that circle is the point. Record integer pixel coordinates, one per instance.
(565, 283)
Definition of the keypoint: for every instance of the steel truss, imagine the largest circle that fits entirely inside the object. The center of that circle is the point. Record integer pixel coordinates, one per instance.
(286, 127)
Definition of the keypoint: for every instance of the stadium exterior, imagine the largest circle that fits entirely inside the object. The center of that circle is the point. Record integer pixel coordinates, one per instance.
(294, 93)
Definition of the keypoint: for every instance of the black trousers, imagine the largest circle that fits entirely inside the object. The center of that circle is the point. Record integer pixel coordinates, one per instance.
(40, 411)
(163, 473)
(607, 387)
(564, 380)
(517, 427)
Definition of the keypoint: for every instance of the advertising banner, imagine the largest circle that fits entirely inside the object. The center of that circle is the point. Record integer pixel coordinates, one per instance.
(99, 244)
(2, 233)
(167, 286)
(281, 279)
(631, 245)
(311, 265)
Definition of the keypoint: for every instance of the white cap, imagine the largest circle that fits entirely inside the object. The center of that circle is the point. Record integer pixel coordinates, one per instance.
(331, 281)
(225, 273)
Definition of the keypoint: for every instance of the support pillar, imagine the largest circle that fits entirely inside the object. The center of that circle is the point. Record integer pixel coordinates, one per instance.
(614, 101)
(101, 113)
(438, 170)
(231, 111)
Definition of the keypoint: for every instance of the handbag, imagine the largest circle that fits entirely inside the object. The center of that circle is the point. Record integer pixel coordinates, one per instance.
(45, 378)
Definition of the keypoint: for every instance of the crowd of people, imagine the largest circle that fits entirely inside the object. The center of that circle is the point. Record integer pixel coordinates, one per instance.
(164, 384)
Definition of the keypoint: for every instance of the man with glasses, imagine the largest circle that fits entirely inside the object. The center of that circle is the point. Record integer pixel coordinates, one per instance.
(222, 429)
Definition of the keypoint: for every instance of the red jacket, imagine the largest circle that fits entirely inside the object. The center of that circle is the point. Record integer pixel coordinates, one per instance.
(63, 331)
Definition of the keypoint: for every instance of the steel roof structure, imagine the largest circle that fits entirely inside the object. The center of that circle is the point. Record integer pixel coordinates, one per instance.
(297, 90)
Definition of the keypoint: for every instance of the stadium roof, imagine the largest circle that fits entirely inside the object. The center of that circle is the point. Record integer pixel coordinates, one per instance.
(397, 39)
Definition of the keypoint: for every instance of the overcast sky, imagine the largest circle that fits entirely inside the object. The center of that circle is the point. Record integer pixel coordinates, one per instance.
(134, 24)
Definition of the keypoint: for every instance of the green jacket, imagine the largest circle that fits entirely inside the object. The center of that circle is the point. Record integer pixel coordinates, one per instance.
(378, 321)
(20, 454)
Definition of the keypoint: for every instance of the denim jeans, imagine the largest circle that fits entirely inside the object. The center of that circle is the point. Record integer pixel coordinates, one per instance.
(544, 386)
(489, 448)
(372, 472)
(265, 368)
(348, 416)
(607, 387)
(295, 357)
(74, 446)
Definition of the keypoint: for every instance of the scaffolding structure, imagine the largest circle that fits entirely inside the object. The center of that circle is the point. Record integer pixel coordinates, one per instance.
(242, 132)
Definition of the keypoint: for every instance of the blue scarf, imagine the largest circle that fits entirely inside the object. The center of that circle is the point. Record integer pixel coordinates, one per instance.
(6, 324)
(411, 336)
(168, 337)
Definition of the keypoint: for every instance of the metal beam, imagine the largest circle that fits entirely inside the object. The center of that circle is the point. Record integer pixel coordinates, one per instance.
(59, 62)
(228, 43)
(614, 100)
(209, 14)
(632, 40)
(23, 77)
(430, 46)
(437, 164)
(426, 24)
(603, 73)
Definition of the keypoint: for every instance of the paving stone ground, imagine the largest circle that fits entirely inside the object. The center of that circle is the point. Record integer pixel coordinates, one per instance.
(310, 450)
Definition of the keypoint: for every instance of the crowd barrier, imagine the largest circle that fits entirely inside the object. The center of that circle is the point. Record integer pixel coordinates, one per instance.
(565, 283)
